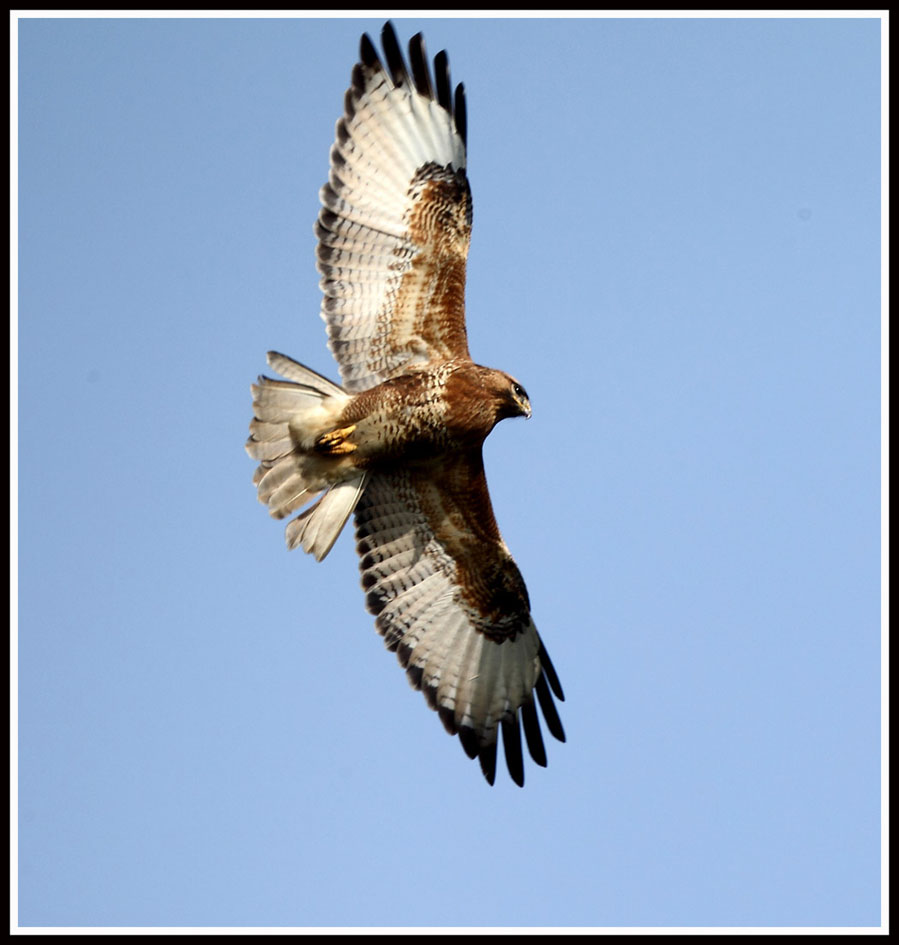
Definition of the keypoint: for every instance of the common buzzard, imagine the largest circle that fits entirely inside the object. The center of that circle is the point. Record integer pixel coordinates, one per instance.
(400, 442)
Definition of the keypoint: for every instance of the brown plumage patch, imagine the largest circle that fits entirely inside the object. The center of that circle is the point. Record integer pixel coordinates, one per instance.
(461, 514)
(440, 229)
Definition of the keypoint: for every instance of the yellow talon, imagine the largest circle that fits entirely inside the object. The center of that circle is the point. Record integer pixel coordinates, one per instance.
(335, 442)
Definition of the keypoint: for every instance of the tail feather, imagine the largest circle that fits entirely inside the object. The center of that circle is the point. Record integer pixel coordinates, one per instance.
(293, 494)
(298, 373)
(317, 528)
(269, 479)
(274, 447)
(272, 399)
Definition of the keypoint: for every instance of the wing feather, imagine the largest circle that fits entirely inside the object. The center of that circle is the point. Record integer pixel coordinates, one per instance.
(448, 597)
(395, 225)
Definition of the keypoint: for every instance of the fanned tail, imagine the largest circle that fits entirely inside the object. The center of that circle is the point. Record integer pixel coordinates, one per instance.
(288, 416)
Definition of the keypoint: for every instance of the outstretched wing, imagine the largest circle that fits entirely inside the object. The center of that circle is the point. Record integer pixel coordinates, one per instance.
(449, 599)
(396, 221)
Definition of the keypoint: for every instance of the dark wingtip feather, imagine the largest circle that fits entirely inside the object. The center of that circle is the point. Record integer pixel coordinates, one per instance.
(367, 52)
(512, 749)
(553, 722)
(357, 80)
(394, 55)
(550, 671)
(461, 114)
(448, 717)
(487, 758)
(469, 739)
(441, 76)
(418, 59)
(533, 737)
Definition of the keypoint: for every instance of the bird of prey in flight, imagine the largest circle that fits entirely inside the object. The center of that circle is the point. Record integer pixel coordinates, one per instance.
(399, 442)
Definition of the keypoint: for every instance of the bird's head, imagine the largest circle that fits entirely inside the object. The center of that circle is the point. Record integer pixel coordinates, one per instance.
(519, 397)
(479, 397)
(511, 398)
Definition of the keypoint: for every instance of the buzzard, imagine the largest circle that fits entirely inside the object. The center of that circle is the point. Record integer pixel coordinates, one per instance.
(400, 441)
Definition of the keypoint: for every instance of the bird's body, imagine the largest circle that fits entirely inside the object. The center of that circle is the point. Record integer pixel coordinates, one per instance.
(425, 413)
(400, 441)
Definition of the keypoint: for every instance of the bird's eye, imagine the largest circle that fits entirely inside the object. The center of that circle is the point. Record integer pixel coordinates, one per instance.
(518, 390)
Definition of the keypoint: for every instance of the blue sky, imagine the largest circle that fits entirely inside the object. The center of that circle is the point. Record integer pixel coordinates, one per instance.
(676, 249)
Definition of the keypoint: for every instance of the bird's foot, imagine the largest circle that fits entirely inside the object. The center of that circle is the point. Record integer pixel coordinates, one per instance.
(335, 443)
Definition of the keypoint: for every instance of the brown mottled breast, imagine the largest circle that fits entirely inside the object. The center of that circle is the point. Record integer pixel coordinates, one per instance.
(402, 417)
